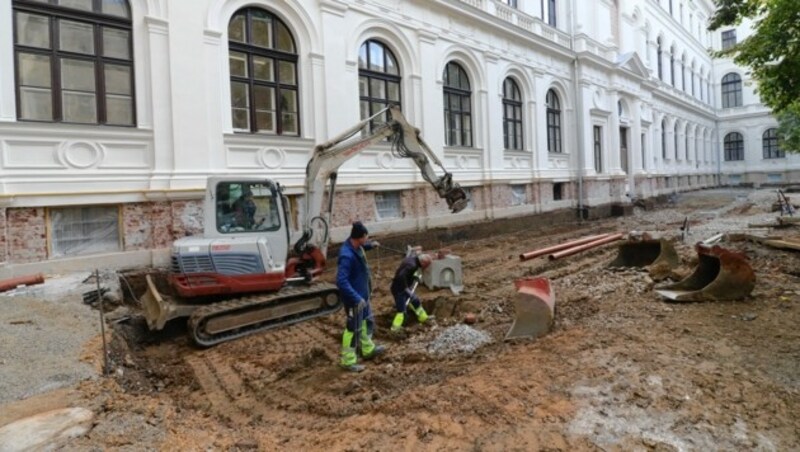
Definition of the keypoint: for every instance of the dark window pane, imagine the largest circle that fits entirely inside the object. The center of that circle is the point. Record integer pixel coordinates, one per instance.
(264, 97)
(34, 70)
(362, 56)
(377, 88)
(236, 28)
(261, 31)
(240, 95)
(115, 8)
(35, 103)
(119, 110)
(288, 101)
(76, 36)
(376, 58)
(116, 43)
(238, 64)
(77, 75)
(262, 68)
(118, 79)
(289, 123)
(85, 5)
(285, 41)
(391, 65)
(363, 90)
(79, 106)
(286, 73)
(393, 91)
(265, 121)
(33, 30)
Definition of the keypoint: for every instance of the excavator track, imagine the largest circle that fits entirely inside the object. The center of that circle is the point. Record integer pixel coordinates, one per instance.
(232, 319)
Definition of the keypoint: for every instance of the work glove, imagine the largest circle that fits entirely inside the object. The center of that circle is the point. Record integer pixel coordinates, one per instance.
(360, 306)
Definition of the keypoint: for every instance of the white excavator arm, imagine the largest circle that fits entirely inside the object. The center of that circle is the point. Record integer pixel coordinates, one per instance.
(328, 157)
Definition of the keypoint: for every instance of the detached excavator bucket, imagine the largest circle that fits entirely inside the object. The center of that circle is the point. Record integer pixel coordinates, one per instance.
(720, 275)
(534, 308)
(659, 255)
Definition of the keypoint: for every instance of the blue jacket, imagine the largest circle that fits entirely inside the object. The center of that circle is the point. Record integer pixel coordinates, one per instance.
(352, 276)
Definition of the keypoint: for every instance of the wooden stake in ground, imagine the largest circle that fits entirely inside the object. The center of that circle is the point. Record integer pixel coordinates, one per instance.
(102, 322)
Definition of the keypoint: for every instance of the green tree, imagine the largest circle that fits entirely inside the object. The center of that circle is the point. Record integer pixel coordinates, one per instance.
(772, 53)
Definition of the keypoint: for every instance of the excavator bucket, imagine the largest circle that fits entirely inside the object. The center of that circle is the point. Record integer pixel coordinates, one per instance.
(659, 255)
(534, 308)
(720, 275)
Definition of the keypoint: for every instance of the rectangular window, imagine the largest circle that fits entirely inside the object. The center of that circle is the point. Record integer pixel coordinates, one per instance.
(728, 39)
(734, 179)
(511, 3)
(77, 231)
(598, 149)
(388, 205)
(774, 178)
(518, 195)
(558, 191)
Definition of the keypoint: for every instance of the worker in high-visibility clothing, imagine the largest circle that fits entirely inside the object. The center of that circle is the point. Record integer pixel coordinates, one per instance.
(355, 287)
(408, 273)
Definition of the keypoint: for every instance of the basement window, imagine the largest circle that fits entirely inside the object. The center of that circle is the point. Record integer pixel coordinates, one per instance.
(76, 231)
(518, 197)
(558, 191)
(774, 178)
(387, 204)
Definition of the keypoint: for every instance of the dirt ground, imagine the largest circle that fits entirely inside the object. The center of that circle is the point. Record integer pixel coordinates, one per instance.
(621, 370)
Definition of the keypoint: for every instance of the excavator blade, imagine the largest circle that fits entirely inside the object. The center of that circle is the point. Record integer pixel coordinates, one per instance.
(159, 309)
(659, 255)
(534, 308)
(720, 275)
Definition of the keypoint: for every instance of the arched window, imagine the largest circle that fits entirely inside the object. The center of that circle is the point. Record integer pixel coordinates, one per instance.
(663, 138)
(457, 106)
(731, 90)
(734, 147)
(660, 61)
(553, 122)
(512, 115)
(675, 133)
(672, 67)
(771, 145)
(74, 62)
(378, 80)
(263, 65)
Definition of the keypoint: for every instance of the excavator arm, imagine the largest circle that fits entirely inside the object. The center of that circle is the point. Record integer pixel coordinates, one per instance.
(321, 172)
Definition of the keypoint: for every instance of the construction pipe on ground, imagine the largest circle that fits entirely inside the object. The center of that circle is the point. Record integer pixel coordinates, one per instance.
(29, 280)
(586, 246)
(550, 249)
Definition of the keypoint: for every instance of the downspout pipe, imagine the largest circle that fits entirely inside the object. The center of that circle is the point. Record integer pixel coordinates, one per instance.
(578, 111)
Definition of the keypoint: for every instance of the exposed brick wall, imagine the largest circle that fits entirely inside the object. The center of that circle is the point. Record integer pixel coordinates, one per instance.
(351, 206)
(187, 218)
(3, 235)
(158, 224)
(26, 235)
(500, 195)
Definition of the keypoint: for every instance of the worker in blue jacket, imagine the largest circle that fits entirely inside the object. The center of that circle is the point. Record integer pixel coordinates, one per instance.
(355, 287)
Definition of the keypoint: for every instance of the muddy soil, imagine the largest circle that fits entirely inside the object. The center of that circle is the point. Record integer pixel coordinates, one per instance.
(621, 370)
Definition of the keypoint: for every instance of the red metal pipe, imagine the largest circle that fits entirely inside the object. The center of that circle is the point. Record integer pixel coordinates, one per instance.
(586, 246)
(570, 244)
(29, 280)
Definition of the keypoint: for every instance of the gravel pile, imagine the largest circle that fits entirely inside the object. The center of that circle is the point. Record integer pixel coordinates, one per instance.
(458, 339)
(43, 332)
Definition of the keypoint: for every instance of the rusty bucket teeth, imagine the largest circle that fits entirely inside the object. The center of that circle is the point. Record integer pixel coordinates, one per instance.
(659, 255)
(720, 275)
(534, 308)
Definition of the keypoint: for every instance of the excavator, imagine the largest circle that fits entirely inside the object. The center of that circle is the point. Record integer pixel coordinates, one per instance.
(243, 276)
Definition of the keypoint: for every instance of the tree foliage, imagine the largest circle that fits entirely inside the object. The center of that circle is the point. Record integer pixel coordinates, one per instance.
(772, 53)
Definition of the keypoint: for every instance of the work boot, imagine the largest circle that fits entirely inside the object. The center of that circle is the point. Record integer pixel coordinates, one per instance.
(397, 323)
(368, 348)
(349, 359)
(422, 316)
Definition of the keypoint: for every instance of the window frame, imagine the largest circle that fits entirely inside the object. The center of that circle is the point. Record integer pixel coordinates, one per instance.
(462, 116)
(553, 118)
(597, 133)
(99, 22)
(380, 214)
(728, 38)
(733, 146)
(252, 50)
(771, 144)
(381, 76)
(512, 103)
(731, 90)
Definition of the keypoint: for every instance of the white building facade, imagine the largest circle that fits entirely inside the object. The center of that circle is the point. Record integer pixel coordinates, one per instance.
(113, 113)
